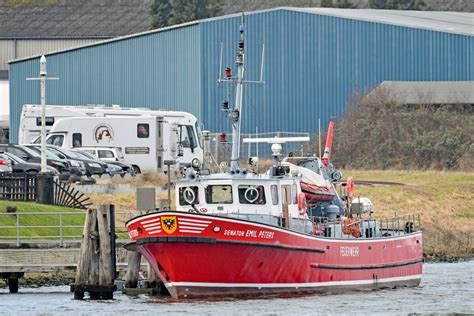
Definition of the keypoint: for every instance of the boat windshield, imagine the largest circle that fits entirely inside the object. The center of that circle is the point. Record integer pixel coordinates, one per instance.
(251, 194)
(219, 194)
(188, 195)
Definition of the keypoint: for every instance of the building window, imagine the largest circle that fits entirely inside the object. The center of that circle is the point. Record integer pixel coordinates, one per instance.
(143, 130)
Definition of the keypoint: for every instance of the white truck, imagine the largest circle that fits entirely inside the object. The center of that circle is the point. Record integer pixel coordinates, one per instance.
(30, 120)
(145, 141)
(172, 135)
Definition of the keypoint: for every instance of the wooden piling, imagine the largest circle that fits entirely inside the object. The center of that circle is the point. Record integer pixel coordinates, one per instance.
(94, 273)
(133, 268)
(105, 275)
(82, 272)
(151, 277)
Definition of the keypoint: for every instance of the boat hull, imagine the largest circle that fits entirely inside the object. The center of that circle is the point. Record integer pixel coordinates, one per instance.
(195, 259)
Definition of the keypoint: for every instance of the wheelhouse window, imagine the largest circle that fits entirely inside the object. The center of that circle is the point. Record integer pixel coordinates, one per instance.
(251, 194)
(274, 189)
(293, 194)
(286, 194)
(219, 194)
(188, 195)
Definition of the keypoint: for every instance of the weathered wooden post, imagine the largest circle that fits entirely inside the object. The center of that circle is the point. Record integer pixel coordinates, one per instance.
(82, 272)
(94, 273)
(133, 268)
(145, 202)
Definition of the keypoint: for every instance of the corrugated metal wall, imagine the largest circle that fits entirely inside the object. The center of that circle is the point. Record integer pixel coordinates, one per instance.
(156, 70)
(314, 66)
(21, 48)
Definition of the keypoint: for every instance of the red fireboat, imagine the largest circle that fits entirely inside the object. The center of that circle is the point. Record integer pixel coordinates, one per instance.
(240, 233)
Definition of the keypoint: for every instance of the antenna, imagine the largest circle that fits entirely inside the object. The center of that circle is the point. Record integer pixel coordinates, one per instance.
(319, 136)
(235, 113)
(220, 63)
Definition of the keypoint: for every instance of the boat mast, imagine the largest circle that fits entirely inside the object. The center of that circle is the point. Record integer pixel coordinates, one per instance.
(237, 112)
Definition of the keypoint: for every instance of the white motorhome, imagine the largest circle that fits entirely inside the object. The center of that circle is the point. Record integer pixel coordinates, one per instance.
(30, 121)
(146, 141)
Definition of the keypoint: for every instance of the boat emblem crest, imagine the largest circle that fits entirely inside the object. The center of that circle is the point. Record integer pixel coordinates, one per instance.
(169, 224)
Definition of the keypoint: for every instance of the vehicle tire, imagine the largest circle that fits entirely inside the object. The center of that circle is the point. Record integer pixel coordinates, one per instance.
(137, 169)
(32, 172)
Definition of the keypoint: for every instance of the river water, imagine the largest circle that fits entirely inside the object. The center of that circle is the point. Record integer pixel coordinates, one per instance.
(445, 288)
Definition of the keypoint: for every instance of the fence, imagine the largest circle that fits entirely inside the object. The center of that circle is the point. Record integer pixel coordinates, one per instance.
(24, 187)
(62, 227)
(18, 187)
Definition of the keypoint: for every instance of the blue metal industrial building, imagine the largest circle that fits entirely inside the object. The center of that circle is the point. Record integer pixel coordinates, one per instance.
(316, 60)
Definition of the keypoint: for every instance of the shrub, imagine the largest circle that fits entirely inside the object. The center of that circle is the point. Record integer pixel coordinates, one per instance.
(379, 133)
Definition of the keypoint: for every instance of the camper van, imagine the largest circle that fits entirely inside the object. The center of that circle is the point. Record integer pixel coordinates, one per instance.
(146, 141)
(30, 121)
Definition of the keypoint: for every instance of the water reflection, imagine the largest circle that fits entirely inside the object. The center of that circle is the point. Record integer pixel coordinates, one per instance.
(445, 288)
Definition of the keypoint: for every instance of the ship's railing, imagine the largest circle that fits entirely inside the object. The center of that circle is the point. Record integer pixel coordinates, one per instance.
(384, 227)
(400, 224)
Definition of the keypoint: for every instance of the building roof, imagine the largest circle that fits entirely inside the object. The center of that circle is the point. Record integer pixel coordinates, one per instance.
(450, 22)
(436, 21)
(73, 18)
(425, 92)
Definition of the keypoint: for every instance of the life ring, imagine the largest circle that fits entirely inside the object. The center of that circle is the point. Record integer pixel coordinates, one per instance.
(249, 193)
(302, 203)
(350, 187)
(189, 196)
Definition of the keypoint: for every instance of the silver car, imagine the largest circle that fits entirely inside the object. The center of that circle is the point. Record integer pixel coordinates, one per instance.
(5, 164)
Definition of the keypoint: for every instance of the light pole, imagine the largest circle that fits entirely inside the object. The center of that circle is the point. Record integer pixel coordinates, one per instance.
(43, 110)
(42, 78)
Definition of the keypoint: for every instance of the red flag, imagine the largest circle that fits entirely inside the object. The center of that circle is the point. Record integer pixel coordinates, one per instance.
(327, 149)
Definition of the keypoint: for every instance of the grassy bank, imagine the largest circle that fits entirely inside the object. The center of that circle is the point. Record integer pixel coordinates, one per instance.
(43, 219)
(445, 201)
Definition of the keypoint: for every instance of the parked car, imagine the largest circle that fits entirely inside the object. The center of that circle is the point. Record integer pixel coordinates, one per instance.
(21, 166)
(76, 167)
(5, 164)
(93, 167)
(112, 169)
(29, 155)
(93, 153)
(109, 154)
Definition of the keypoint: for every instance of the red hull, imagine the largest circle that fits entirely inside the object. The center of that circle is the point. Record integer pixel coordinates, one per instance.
(198, 259)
